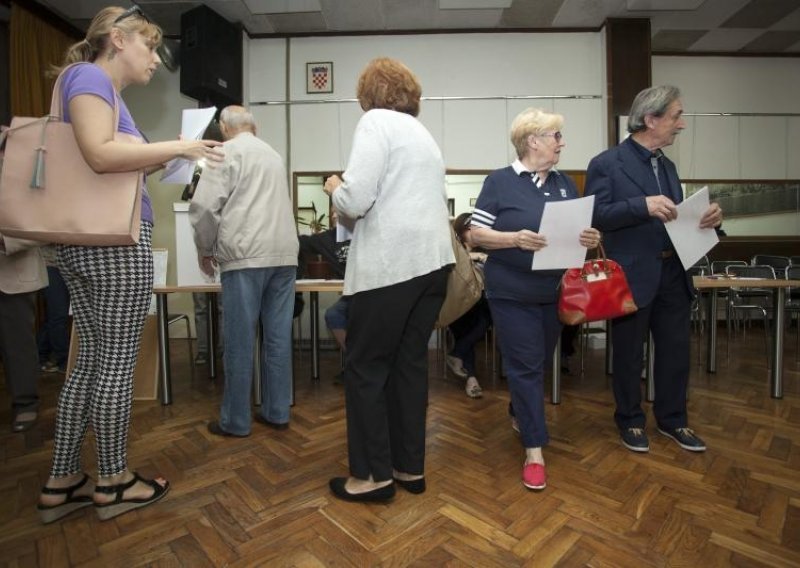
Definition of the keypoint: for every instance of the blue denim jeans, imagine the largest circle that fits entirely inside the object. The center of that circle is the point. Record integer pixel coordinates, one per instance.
(251, 295)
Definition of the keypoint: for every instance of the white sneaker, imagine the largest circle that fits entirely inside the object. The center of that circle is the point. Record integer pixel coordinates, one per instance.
(456, 365)
(473, 389)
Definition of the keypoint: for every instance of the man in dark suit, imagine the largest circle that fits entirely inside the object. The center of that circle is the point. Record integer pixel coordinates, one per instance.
(636, 188)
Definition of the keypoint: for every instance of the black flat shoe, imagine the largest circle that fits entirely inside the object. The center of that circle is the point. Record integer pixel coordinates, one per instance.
(217, 430)
(379, 495)
(415, 486)
(274, 425)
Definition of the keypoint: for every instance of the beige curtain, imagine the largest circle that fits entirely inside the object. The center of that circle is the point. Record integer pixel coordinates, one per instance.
(34, 45)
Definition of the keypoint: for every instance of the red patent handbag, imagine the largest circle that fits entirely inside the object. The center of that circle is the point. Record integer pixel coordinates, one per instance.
(598, 291)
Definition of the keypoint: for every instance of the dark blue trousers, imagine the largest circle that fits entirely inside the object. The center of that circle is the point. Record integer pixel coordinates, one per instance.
(527, 335)
(468, 330)
(667, 317)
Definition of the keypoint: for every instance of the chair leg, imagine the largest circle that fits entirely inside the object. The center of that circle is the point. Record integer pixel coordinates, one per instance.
(191, 351)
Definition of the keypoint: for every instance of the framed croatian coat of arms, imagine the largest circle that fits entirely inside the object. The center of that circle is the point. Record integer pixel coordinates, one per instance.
(319, 77)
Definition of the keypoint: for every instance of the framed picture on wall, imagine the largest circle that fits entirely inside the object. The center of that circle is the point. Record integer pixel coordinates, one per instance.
(451, 206)
(319, 77)
(472, 201)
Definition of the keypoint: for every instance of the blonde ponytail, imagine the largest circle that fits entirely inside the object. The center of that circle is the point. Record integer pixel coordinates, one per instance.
(97, 36)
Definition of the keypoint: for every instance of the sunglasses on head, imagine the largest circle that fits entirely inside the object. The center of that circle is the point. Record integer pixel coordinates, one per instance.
(132, 11)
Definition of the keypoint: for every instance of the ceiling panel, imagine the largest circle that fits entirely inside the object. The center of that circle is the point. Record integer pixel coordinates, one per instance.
(772, 41)
(708, 16)
(761, 14)
(675, 40)
(298, 23)
(531, 13)
(725, 40)
(663, 4)
(353, 16)
(715, 25)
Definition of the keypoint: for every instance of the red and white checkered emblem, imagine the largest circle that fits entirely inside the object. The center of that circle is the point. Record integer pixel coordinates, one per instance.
(319, 78)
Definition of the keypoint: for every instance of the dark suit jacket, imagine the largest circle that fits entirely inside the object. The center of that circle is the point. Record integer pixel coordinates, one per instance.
(620, 181)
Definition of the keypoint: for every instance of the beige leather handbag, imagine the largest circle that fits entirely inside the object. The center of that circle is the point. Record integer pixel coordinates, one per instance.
(49, 193)
(464, 286)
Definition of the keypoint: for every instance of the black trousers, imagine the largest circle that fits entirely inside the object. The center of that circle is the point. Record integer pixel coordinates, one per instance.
(667, 317)
(386, 375)
(18, 350)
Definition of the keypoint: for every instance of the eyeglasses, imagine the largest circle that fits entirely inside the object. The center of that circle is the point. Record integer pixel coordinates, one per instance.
(557, 135)
(132, 11)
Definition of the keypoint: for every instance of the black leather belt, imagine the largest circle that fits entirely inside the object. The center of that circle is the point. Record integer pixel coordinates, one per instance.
(664, 254)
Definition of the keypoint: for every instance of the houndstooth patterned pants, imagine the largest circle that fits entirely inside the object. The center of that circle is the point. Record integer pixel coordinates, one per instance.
(110, 288)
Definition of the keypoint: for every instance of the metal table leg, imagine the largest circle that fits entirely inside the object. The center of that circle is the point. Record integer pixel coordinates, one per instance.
(609, 350)
(776, 373)
(711, 349)
(163, 349)
(555, 397)
(314, 318)
(211, 318)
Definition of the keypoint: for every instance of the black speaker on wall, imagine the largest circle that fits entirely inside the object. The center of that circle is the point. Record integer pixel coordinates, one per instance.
(211, 58)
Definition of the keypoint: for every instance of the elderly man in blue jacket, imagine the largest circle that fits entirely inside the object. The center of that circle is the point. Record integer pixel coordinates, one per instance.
(636, 189)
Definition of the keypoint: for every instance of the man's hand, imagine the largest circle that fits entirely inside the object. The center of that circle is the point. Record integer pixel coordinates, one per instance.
(712, 217)
(207, 265)
(661, 207)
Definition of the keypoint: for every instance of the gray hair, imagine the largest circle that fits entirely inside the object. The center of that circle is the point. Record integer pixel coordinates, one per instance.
(237, 118)
(652, 101)
(532, 121)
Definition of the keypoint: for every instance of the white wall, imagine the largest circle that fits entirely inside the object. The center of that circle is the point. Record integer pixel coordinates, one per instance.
(764, 146)
(473, 134)
(736, 147)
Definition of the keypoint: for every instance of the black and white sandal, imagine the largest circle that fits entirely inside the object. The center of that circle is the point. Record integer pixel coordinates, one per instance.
(120, 505)
(51, 513)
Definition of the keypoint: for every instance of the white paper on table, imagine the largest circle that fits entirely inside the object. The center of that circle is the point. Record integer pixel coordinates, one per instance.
(690, 241)
(193, 123)
(344, 229)
(562, 223)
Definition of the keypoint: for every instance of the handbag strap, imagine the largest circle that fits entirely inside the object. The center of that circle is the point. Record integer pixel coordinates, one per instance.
(57, 115)
(57, 102)
(599, 264)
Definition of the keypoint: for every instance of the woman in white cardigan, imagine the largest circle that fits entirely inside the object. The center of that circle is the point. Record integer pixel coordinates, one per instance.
(394, 186)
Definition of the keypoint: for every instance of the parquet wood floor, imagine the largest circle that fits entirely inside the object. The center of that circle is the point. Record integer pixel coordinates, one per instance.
(264, 501)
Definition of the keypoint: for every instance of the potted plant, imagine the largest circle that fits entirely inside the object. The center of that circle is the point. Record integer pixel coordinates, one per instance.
(316, 266)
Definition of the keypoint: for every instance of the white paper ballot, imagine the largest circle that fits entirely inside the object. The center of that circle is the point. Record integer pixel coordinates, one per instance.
(690, 241)
(562, 223)
(344, 229)
(193, 123)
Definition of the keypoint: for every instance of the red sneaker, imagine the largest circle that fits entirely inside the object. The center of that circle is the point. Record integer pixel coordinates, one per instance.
(534, 476)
